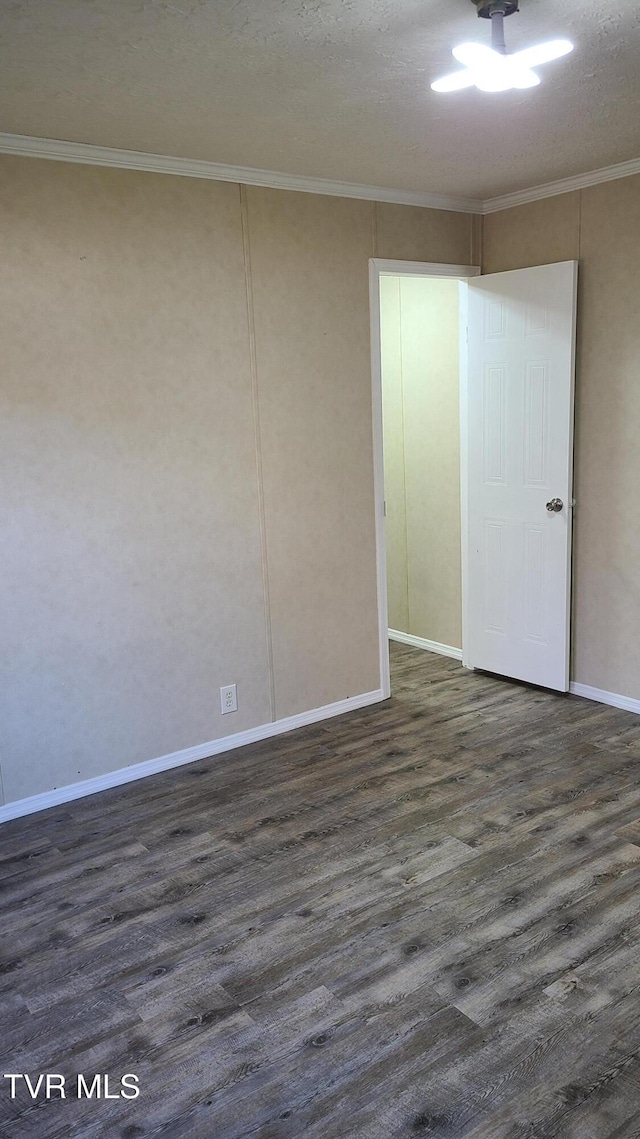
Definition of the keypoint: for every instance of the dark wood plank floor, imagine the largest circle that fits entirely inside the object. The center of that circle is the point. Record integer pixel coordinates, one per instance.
(421, 919)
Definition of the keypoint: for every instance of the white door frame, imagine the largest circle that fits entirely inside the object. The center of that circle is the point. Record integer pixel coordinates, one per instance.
(380, 267)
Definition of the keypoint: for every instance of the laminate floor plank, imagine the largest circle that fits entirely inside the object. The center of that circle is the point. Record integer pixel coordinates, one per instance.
(421, 918)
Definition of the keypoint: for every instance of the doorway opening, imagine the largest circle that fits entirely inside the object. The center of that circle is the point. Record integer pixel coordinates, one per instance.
(419, 355)
(498, 537)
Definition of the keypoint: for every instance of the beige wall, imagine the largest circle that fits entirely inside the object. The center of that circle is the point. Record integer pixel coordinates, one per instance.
(186, 458)
(420, 386)
(309, 260)
(601, 227)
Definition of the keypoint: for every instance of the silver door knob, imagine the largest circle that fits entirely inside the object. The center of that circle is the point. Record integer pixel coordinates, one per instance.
(555, 505)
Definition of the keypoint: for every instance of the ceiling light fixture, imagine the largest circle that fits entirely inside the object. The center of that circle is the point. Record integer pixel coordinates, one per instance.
(491, 68)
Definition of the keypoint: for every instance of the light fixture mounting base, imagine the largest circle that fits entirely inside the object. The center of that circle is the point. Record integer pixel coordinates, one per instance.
(487, 8)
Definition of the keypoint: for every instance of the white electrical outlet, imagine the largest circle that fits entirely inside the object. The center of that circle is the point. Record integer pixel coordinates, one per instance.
(228, 699)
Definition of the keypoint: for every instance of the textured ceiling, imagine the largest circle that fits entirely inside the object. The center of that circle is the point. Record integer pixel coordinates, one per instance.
(331, 88)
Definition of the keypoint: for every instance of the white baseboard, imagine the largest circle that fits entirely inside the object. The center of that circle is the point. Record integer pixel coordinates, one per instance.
(627, 703)
(123, 775)
(423, 643)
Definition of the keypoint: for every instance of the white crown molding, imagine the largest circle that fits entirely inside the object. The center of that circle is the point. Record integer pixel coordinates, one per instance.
(627, 703)
(562, 186)
(30, 147)
(423, 643)
(21, 807)
(86, 154)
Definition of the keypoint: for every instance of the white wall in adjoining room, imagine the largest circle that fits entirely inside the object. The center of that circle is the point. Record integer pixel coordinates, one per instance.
(421, 422)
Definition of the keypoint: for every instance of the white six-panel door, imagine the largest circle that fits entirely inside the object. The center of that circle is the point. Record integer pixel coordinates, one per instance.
(517, 580)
